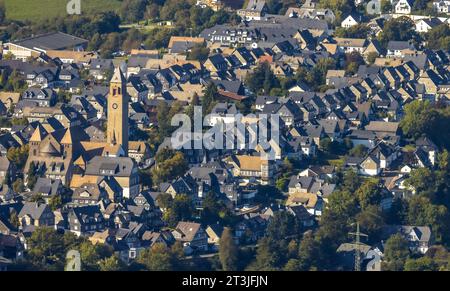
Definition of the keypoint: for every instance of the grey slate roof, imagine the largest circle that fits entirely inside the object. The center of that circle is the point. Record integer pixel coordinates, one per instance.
(52, 41)
(33, 209)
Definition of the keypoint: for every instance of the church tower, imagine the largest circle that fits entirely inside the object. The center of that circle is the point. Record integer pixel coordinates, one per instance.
(117, 131)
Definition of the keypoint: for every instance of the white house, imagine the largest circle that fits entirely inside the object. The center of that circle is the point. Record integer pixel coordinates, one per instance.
(442, 6)
(404, 7)
(350, 20)
(349, 45)
(424, 25)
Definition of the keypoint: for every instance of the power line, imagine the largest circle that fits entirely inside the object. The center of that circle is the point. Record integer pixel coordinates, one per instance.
(358, 243)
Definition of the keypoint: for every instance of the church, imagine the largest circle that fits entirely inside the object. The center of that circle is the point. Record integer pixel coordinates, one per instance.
(69, 155)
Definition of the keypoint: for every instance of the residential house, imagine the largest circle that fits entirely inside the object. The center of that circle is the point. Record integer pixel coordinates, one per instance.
(379, 158)
(420, 238)
(404, 6)
(441, 6)
(7, 170)
(426, 24)
(214, 232)
(349, 45)
(399, 48)
(251, 167)
(255, 10)
(192, 235)
(351, 20)
(47, 188)
(85, 220)
(36, 214)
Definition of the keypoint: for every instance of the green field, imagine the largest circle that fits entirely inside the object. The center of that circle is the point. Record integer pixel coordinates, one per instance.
(36, 10)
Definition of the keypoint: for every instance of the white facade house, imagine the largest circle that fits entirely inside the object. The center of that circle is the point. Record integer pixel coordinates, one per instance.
(404, 7)
(442, 6)
(349, 21)
(424, 25)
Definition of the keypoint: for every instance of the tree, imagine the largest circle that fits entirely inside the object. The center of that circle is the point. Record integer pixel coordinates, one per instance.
(19, 121)
(398, 29)
(416, 120)
(356, 31)
(420, 264)
(37, 197)
(32, 177)
(282, 183)
(317, 76)
(358, 151)
(267, 194)
(396, 252)
(209, 98)
(273, 251)
(371, 221)
(18, 186)
(343, 203)
(293, 265)
(177, 209)
(133, 10)
(55, 202)
(2, 12)
(169, 169)
(371, 57)
(336, 218)
(281, 226)
(228, 251)
(214, 209)
(18, 156)
(157, 258)
(438, 37)
(162, 117)
(421, 180)
(111, 264)
(352, 62)
(339, 7)
(351, 181)
(199, 53)
(307, 252)
(444, 161)
(326, 144)
(46, 247)
(14, 219)
(423, 119)
(422, 212)
(268, 256)
(262, 79)
(369, 193)
(92, 254)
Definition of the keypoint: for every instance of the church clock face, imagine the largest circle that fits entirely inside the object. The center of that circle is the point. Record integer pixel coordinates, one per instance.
(114, 106)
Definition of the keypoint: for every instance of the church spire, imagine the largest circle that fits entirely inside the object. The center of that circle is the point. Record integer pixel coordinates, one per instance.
(118, 76)
(38, 134)
(118, 101)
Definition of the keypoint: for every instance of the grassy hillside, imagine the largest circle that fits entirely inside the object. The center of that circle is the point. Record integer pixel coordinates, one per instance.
(35, 10)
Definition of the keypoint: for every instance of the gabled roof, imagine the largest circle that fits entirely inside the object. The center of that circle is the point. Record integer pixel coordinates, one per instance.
(399, 45)
(33, 209)
(118, 76)
(39, 134)
(51, 41)
(67, 138)
(187, 230)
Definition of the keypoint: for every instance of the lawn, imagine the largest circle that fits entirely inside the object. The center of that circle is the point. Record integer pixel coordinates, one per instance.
(37, 10)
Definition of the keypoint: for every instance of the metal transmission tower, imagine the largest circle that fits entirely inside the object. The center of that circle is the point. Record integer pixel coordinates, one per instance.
(358, 236)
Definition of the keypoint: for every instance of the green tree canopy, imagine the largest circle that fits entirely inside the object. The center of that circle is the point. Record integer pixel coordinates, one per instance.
(228, 251)
(396, 252)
